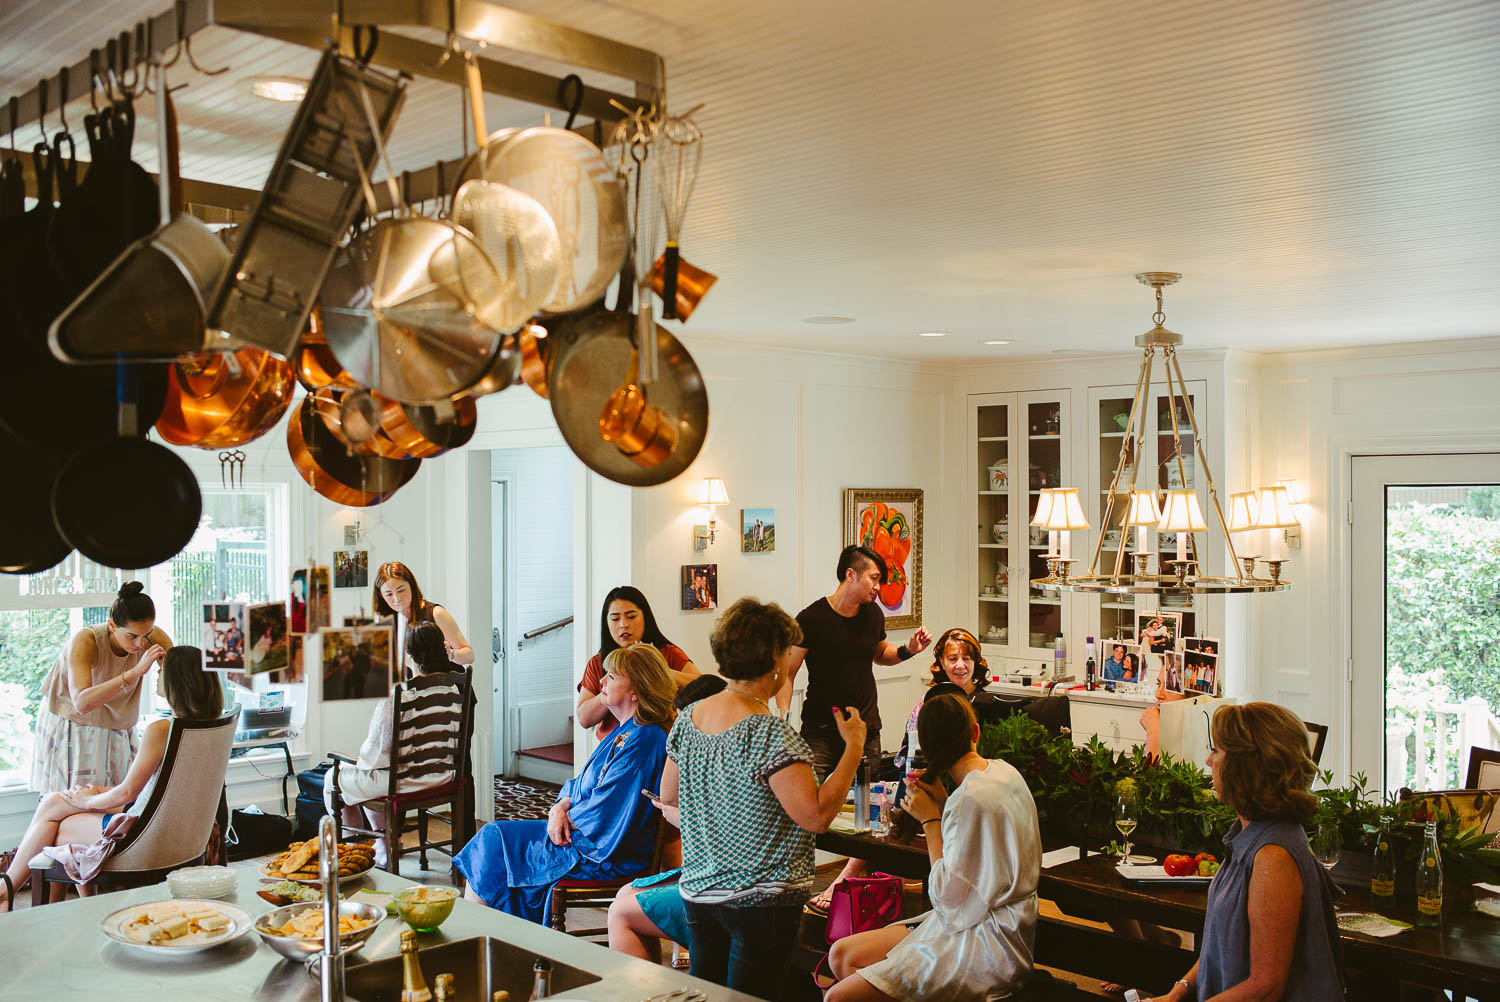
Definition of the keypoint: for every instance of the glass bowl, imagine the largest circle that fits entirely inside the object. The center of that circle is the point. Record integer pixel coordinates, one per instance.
(424, 908)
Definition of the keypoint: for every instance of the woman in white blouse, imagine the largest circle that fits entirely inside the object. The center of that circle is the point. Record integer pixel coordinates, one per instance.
(986, 852)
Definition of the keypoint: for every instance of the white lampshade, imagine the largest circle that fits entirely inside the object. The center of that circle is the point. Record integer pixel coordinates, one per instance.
(1143, 509)
(1242, 511)
(1043, 506)
(1293, 490)
(1067, 510)
(1275, 509)
(713, 492)
(1180, 513)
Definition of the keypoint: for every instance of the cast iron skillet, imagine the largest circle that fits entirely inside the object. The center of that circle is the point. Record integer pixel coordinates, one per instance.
(29, 542)
(126, 502)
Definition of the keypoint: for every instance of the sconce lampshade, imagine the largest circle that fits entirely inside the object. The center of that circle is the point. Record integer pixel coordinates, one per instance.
(1067, 510)
(1180, 513)
(1044, 506)
(1293, 490)
(713, 492)
(1275, 509)
(1242, 511)
(1143, 509)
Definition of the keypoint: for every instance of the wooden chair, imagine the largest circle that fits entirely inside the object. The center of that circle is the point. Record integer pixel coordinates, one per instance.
(419, 753)
(1317, 736)
(174, 828)
(1484, 769)
(568, 893)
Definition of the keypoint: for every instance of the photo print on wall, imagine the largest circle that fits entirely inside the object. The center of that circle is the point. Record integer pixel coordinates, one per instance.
(309, 605)
(223, 637)
(700, 587)
(757, 530)
(1157, 631)
(268, 638)
(351, 568)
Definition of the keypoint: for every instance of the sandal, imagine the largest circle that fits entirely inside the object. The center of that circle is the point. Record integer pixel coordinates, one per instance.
(820, 903)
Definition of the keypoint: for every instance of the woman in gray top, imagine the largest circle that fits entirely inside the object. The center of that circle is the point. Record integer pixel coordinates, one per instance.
(739, 783)
(1269, 931)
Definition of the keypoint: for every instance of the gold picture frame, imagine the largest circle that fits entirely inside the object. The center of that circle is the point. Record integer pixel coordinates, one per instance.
(902, 510)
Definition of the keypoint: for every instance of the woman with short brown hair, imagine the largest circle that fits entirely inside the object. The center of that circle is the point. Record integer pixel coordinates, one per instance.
(1269, 930)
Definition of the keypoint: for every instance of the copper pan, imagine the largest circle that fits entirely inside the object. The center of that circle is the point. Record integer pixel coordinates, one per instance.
(536, 357)
(351, 479)
(314, 362)
(692, 285)
(224, 401)
(429, 430)
(353, 417)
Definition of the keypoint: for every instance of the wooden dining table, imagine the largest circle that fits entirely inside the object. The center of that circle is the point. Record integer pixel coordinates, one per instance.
(1462, 956)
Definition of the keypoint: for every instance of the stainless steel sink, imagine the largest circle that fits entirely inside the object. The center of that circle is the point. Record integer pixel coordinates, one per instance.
(480, 967)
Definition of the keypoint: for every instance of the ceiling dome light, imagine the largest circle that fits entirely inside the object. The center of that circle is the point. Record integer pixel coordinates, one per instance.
(286, 89)
(995, 341)
(828, 321)
(933, 333)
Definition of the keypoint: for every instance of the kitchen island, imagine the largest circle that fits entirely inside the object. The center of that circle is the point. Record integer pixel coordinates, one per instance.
(57, 952)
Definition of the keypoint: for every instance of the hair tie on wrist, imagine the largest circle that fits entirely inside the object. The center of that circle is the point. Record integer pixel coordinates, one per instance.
(903, 653)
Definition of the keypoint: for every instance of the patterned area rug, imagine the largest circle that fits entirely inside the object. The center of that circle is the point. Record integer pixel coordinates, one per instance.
(521, 799)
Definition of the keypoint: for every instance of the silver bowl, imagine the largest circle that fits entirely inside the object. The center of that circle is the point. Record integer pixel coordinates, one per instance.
(300, 948)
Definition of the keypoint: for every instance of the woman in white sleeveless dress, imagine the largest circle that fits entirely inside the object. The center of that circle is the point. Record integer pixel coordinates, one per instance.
(91, 698)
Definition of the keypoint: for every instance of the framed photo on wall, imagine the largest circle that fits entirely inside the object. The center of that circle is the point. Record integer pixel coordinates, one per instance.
(889, 521)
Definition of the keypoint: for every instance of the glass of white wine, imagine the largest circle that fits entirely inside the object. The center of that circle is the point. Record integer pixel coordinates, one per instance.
(1125, 822)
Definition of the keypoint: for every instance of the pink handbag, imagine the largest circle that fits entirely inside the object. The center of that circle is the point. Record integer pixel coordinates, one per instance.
(862, 903)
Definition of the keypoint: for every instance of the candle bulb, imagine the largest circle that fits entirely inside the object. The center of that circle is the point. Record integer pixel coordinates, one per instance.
(1181, 514)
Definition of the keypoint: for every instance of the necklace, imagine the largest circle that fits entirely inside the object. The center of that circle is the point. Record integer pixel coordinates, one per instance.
(746, 695)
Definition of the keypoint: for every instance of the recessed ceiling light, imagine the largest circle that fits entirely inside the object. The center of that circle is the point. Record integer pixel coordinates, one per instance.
(994, 341)
(828, 321)
(933, 333)
(278, 88)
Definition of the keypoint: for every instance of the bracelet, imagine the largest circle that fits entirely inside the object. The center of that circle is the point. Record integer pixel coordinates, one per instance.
(930, 821)
(903, 653)
(1183, 983)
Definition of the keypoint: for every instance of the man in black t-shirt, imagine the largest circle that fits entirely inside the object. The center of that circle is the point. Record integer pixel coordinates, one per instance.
(843, 637)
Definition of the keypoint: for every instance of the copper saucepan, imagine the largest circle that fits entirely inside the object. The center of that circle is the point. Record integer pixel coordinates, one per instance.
(329, 468)
(353, 417)
(313, 360)
(429, 430)
(221, 402)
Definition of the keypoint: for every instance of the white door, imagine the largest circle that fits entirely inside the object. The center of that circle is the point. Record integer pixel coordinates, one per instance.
(500, 597)
(1425, 678)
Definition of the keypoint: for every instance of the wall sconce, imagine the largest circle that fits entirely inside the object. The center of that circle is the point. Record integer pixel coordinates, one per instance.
(1298, 501)
(1274, 511)
(710, 494)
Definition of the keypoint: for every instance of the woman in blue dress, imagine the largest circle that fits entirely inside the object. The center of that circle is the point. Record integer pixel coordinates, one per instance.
(601, 828)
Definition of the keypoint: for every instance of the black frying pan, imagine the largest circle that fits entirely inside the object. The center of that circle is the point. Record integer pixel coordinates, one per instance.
(29, 542)
(126, 502)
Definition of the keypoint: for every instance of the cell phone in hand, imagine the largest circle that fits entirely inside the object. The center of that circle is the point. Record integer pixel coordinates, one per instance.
(649, 795)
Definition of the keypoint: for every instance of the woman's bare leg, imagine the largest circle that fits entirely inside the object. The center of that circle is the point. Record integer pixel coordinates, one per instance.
(41, 833)
(855, 989)
(863, 949)
(630, 931)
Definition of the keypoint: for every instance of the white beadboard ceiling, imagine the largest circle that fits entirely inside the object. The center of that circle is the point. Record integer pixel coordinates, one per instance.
(1324, 174)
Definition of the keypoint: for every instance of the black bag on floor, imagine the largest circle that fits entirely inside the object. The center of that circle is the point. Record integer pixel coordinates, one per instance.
(255, 834)
(310, 808)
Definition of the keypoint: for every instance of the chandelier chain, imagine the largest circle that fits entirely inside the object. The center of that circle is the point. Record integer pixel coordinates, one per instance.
(1159, 317)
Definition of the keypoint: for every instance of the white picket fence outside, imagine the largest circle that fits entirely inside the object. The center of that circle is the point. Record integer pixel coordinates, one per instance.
(1428, 748)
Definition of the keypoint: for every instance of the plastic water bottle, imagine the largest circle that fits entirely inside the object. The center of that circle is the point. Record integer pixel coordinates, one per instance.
(879, 808)
(1059, 658)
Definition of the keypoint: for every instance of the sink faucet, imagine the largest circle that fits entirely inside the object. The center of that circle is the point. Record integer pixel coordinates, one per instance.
(332, 958)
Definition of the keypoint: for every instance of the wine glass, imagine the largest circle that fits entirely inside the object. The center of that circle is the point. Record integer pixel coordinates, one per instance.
(1125, 822)
(1326, 845)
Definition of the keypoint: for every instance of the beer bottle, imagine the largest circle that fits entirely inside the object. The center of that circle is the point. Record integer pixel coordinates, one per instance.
(1430, 879)
(1383, 868)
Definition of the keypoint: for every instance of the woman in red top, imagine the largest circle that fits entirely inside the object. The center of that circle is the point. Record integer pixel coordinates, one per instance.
(625, 620)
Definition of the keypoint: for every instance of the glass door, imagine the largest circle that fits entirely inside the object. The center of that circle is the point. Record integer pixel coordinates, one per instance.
(994, 529)
(1044, 437)
(1426, 616)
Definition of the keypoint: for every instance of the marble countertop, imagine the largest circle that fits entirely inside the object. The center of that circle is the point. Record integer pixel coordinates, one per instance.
(57, 952)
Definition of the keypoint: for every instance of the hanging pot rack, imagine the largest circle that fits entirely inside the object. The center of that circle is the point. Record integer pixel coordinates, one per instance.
(310, 23)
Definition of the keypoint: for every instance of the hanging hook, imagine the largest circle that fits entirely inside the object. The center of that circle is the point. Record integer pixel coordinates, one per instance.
(129, 77)
(188, 44)
(572, 82)
(181, 10)
(111, 60)
(363, 52)
(62, 98)
(93, 79)
(15, 111)
(41, 100)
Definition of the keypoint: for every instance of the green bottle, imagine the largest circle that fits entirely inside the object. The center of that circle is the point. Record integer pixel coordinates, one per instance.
(1429, 879)
(1383, 870)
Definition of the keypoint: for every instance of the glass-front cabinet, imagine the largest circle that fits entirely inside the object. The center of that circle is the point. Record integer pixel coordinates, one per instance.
(1021, 446)
(1159, 466)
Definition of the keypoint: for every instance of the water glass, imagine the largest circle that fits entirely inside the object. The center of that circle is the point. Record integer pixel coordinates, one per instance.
(1326, 845)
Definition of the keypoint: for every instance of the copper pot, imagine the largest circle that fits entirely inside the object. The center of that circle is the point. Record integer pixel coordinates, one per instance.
(224, 401)
(313, 360)
(354, 419)
(343, 477)
(535, 358)
(426, 431)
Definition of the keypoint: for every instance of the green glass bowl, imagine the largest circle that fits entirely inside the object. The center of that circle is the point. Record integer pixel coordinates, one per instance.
(427, 913)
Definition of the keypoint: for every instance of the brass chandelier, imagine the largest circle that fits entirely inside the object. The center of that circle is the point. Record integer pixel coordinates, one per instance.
(1058, 510)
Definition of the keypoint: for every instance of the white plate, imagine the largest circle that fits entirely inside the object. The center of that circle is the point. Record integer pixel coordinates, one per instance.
(240, 923)
(1156, 875)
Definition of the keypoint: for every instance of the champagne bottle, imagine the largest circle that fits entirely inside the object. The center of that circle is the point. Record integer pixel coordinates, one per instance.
(443, 990)
(541, 985)
(1430, 879)
(501, 997)
(1383, 868)
(413, 987)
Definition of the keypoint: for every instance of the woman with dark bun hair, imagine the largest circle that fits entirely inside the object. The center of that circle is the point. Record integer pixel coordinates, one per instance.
(91, 698)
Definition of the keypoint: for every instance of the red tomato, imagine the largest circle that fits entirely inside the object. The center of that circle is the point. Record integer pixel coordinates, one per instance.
(1205, 856)
(1178, 865)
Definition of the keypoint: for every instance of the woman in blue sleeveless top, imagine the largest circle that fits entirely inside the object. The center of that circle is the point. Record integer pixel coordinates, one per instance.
(1269, 931)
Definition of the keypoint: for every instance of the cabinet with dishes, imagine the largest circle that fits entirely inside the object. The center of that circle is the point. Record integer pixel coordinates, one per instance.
(1020, 445)
(1146, 459)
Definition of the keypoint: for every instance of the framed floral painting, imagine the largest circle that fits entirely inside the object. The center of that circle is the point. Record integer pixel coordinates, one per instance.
(889, 521)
